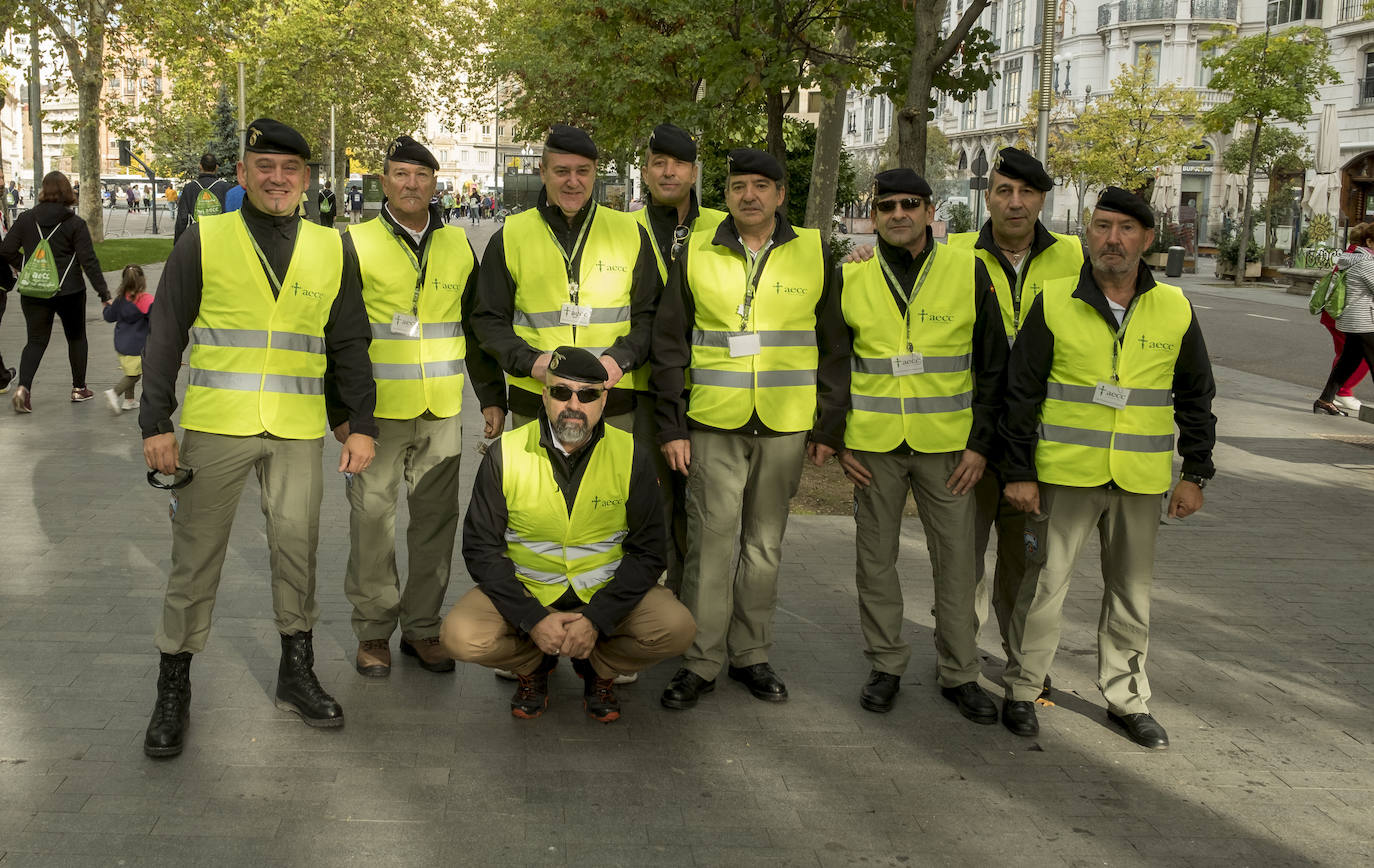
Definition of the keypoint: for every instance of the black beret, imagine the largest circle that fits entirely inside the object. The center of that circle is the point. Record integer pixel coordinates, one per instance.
(1128, 203)
(404, 149)
(266, 136)
(747, 161)
(900, 181)
(570, 140)
(575, 363)
(1021, 166)
(673, 141)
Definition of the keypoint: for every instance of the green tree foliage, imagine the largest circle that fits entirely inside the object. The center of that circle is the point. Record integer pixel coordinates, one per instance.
(1280, 150)
(224, 133)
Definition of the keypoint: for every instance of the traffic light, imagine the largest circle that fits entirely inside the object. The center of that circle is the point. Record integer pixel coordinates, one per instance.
(126, 154)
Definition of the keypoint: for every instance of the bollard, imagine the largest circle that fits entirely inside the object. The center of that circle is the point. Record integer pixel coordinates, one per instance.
(1174, 264)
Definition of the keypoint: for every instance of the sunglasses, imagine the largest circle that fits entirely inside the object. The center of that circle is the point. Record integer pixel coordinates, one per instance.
(913, 203)
(175, 484)
(679, 239)
(565, 393)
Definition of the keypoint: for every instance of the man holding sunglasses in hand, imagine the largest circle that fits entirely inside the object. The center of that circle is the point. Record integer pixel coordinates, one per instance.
(927, 376)
(564, 536)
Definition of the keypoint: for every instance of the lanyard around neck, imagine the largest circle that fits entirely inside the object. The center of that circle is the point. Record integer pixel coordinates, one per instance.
(754, 263)
(915, 288)
(262, 257)
(569, 258)
(1119, 337)
(419, 265)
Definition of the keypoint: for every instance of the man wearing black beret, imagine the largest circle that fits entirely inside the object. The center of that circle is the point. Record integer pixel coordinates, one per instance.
(925, 387)
(258, 295)
(671, 214)
(417, 277)
(1106, 365)
(564, 538)
(752, 313)
(1021, 255)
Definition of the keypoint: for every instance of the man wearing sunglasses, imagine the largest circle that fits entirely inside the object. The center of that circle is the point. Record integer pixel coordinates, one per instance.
(416, 276)
(925, 387)
(1021, 255)
(671, 215)
(564, 537)
(751, 320)
(258, 295)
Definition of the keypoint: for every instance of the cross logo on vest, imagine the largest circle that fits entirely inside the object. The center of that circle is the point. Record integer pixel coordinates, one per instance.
(779, 289)
(598, 502)
(447, 285)
(934, 317)
(610, 266)
(297, 289)
(1146, 344)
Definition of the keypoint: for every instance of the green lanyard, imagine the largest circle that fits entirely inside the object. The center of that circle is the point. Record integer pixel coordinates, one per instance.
(753, 272)
(262, 257)
(1119, 338)
(915, 288)
(420, 265)
(577, 249)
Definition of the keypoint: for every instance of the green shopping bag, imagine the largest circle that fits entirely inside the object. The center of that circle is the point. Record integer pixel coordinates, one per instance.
(1328, 295)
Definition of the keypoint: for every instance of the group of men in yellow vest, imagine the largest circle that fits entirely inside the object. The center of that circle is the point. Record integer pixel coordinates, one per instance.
(728, 348)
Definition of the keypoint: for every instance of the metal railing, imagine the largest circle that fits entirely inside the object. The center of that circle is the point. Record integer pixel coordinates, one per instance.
(1352, 10)
(1139, 10)
(1364, 93)
(1216, 10)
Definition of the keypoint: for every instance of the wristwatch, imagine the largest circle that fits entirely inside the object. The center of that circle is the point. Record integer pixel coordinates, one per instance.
(1199, 481)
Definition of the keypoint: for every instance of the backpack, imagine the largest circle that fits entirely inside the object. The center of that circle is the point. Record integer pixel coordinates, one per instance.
(326, 204)
(38, 278)
(207, 205)
(1328, 295)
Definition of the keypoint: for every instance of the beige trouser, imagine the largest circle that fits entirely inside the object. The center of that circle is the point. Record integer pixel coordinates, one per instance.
(1126, 525)
(291, 479)
(994, 508)
(426, 455)
(948, 520)
(658, 627)
(672, 487)
(739, 490)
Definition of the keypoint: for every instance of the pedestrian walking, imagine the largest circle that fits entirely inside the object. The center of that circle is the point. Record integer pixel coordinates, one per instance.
(129, 313)
(355, 204)
(201, 197)
(1104, 367)
(53, 245)
(1345, 394)
(257, 294)
(475, 209)
(131, 198)
(1355, 323)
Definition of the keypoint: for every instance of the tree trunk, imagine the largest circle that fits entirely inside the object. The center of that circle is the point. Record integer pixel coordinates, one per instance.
(915, 115)
(1245, 229)
(88, 150)
(776, 106)
(825, 166)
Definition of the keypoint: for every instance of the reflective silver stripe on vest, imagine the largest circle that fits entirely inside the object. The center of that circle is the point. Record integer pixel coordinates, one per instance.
(381, 331)
(574, 553)
(279, 383)
(256, 339)
(401, 371)
(745, 379)
(1103, 439)
(1084, 395)
(721, 340)
(548, 319)
(598, 576)
(933, 364)
(938, 404)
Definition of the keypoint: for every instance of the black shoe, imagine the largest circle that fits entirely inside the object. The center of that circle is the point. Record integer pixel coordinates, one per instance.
(6, 377)
(1019, 717)
(298, 689)
(880, 691)
(1142, 729)
(1046, 690)
(166, 734)
(531, 695)
(1330, 409)
(973, 701)
(761, 680)
(598, 694)
(685, 689)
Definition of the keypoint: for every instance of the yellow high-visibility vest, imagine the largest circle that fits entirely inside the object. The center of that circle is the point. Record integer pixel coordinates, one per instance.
(1063, 259)
(706, 218)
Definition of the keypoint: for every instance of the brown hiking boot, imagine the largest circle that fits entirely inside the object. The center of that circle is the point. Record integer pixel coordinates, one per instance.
(531, 696)
(598, 694)
(374, 658)
(428, 653)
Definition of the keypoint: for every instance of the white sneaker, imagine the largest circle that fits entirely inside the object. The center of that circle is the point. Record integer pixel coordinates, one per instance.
(116, 403)
(505, 674)
(627, 679)
(130, 403)
(1347, 402)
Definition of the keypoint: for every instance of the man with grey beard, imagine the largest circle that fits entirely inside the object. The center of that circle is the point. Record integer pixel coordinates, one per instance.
(565, 537)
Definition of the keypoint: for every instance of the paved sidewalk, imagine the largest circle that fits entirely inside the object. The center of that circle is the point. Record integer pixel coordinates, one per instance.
(1261, 665)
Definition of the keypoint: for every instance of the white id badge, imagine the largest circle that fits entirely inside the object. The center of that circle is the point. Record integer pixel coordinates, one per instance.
(1111, 396)
(910, 363)
(744, 345)
(575, 315)
(405, 324)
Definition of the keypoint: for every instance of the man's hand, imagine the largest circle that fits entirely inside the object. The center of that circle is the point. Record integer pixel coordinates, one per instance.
(356, 453)
(541, 366)
(1025, 496)
(579, 639)
(613, 371)
(160, 453)
(854, 469)
(341, 433)
(1186, 499)
(819, 453)
(552, 629)
(679, 454)
(860, 253)
(967, 474)
(494, 419)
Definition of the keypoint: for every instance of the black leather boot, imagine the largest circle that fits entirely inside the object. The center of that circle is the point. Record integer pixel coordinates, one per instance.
(298, 689)
(166, 734)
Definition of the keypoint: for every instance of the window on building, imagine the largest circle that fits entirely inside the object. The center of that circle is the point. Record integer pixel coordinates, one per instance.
(1011, 91)
(1204, 73)
(849, 127)
(883, 107)
(1148, 50)
(992, 20)
(868, 120)
(1283, 11)
(966, 119)
(1016, 23)
(814, 101)
(990, 104)
(443, 155)
(486, 129)
(1365, 96)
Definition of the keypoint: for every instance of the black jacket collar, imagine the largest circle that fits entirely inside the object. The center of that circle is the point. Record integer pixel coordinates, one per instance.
(1043, 241)
(553, 215)
(1088, 290)
(436, 221)
(667, 214)
(268, 224)
(901, 258)
(728, 236)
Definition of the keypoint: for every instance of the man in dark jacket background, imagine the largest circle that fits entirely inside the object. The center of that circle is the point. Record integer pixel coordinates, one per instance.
(192, 204)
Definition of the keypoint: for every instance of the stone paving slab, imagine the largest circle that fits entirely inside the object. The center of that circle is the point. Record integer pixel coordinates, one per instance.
(1261, 665)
